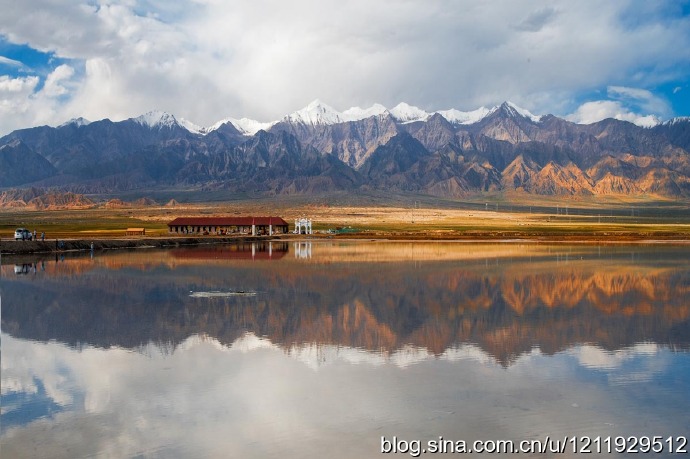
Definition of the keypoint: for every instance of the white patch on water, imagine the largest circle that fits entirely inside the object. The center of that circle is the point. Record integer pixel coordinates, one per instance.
(218, 294)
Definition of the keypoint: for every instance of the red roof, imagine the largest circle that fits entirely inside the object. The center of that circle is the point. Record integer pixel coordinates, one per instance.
(227, 221)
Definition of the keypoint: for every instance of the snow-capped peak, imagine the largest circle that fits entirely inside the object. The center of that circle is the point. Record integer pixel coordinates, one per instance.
(314, 114)
(249, 126)
(218, 124)
(76, 122)
(458, 117)
(513, 110)
(319, 113)
(156, 119)
(357, 113)
(676, 120)
(406, 113)
(246, 126)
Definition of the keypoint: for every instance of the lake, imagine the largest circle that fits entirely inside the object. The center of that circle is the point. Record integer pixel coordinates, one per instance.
(344, 349)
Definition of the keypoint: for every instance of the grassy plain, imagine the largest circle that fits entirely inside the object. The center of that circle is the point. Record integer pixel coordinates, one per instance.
(405, 217)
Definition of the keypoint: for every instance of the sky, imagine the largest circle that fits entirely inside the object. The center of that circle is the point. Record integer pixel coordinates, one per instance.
(206, 60)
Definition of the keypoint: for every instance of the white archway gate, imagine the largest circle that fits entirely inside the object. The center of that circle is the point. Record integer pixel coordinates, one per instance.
(303, 226)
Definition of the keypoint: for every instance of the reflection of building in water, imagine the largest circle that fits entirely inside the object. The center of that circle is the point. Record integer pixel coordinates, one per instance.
(302, 249)
(242, 251)
(25, 268)
(303, 226)
(229, 225)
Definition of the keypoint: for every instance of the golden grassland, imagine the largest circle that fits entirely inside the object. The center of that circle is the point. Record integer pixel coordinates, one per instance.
(483, 218)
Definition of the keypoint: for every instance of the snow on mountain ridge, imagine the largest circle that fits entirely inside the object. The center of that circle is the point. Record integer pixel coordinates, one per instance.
(249, 126)
(459, 117)
(156, 119)
(357, 113)
(76, 121)
(406, 113)
(676, 120)
(515, 111)
(316, 113)
(246, 126)
(192, 127)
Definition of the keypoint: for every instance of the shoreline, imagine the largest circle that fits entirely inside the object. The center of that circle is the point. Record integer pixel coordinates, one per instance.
(12, 247)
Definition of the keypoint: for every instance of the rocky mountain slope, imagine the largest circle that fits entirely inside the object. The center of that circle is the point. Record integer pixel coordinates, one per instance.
(318, 149)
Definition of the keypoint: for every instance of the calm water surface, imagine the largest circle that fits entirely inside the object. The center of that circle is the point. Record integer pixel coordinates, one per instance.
(314, 350)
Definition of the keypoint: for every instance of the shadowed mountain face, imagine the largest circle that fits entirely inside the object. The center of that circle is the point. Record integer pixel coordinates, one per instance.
(380, 297)
(351, 142)
(19, 164)
(505, 150)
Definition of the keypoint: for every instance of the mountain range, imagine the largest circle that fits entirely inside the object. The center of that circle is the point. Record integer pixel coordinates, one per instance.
(317, 149)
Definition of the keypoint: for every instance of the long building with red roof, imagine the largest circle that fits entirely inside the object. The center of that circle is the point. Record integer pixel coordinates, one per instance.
(229, 225)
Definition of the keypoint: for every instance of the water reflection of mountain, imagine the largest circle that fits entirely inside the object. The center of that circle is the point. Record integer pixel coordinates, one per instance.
(506, 306)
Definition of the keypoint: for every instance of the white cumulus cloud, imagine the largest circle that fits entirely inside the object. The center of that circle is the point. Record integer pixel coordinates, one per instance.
(15, 96)
(205, 60)
(54, 86)
(23, 103)
(591, 112)
(635, 105)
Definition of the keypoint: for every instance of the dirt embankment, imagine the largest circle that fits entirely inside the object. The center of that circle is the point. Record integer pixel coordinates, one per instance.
(574, 236)
(12, 247)
(76, 245)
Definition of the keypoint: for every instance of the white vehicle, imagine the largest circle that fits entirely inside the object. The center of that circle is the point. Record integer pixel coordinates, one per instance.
(22, 234)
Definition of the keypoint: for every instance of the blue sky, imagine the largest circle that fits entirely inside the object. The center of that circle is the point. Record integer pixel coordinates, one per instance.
(21, 60)
(205, 60)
